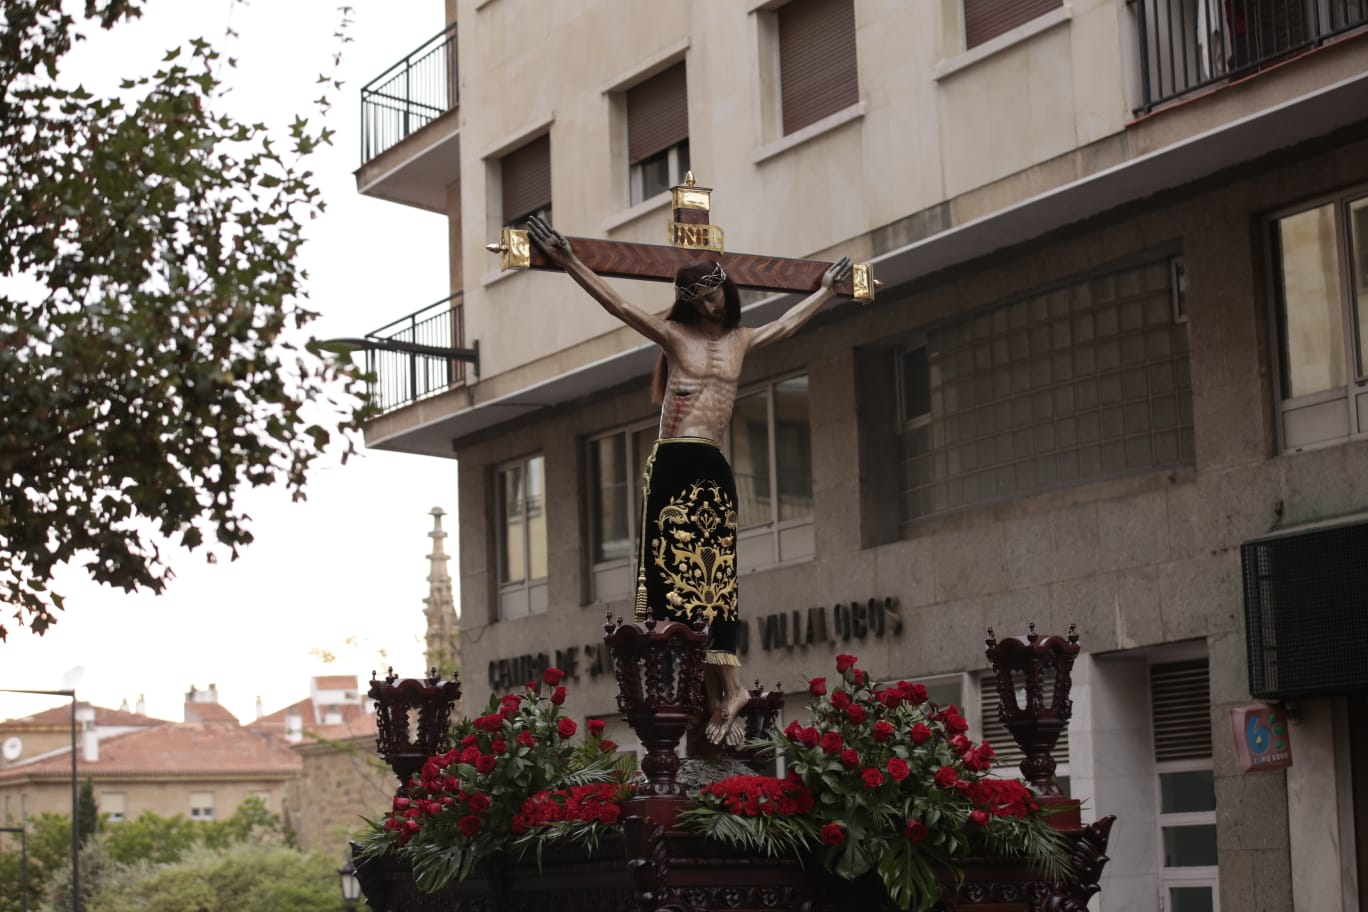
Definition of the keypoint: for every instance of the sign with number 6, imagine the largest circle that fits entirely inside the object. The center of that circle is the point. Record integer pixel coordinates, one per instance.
(1262, 739)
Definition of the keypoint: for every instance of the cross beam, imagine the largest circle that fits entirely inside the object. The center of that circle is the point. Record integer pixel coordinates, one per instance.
(692, 237)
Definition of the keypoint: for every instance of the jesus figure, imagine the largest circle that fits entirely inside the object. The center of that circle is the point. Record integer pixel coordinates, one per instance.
(687, 562)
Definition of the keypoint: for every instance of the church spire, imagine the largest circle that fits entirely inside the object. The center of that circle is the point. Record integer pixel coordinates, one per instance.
(443, 630)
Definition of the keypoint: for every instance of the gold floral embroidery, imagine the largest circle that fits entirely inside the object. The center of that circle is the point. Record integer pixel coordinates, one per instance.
(692, 550)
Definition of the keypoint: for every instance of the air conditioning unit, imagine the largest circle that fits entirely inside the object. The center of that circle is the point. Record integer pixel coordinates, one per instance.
(1306, 610)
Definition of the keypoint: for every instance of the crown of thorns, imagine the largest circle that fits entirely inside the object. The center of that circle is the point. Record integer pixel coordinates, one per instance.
(701, 287)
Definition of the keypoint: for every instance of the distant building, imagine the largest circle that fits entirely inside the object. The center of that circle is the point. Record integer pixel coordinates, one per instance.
(439, 608)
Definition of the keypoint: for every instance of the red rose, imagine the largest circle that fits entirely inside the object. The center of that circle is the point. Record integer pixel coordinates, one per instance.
(841, 700)
(955, 724)
(833, 834)
(844, 663)
(872, 778)
(468, 740)
(859, 677)
(566, 727)
(897, 768)
(946, 776)
(470, 754)
(794, 732)
(478, 803)
(553, 676)
(979, 817)
(832, 742)
(499, 746)
(810, 737)
(401, 802)
(915, 831)
(511, 702)
(890, 698)
(919, 734)
(470, 825)
(491, 723)
(882, 731)
(960, 743)
(850, 759)
(857, 714)
(913, 693)
(596, 727)
(558, 696)
(964, 788)
(485, 763)
(526, 739)
(817, 687)
(607, 745)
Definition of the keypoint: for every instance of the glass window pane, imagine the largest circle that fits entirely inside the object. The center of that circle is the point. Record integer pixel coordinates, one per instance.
(793, 448)
(1191, 899)
(1190, 846)
(1186, 793)
(1358, 238)
(1312, 319)
(512, 556)
(916, 381)
(536, 520)
(750, 459)
(609, 498)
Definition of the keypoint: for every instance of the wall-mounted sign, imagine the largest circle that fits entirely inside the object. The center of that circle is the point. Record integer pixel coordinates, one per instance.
(1262, 741)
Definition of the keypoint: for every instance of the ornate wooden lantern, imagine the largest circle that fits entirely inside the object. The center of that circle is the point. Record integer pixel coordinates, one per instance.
(659, 666)
(1041, 667)
(412, 716)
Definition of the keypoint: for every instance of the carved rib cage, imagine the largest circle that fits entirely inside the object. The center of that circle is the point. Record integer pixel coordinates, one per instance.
(411, 717)
(659, 667)
(1042, 666)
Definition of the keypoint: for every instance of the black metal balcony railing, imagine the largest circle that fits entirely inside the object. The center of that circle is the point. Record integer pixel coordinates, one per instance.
(398, 378)
(410, 95)
(1186, 45)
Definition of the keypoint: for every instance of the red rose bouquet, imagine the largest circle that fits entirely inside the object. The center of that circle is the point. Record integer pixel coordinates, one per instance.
(512, 780)
(881, 779)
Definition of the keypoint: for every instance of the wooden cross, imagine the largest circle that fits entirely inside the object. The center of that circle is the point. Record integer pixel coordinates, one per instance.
(691, 237)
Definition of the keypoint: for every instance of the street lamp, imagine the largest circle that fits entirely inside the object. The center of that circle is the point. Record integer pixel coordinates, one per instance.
(71, 677)
(23, 864)
(351, 886)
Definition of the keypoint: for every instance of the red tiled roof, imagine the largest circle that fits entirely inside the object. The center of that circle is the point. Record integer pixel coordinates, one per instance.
(172, 749)
(335, 682)
(209, 712)
(305, 710)
(61, 715)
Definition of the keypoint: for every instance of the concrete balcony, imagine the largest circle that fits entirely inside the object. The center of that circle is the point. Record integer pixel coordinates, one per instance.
(410, 127)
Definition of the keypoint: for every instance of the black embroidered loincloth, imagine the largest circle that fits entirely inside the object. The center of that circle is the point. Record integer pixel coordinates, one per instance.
(688, 553)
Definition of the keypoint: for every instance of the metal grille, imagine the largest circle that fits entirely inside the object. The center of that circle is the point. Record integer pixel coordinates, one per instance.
(1186, 45)
(1306, 612)
(1180, 701)
(1085, 382)
(410, 94)
(398, 378)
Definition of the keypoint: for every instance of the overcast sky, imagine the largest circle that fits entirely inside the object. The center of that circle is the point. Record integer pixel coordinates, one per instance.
(350, 563)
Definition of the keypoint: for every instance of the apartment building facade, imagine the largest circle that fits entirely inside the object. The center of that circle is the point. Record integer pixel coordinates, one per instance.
(1117, 375)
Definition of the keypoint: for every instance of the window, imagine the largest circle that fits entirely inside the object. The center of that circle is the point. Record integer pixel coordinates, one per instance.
(986, 19)
(525, 175)
(615, 462)
(770, 448)
(1087, 381)
(1320, 262)
(114, 805)
(657, 133)
(1180, 703)
(521, 517)
(201, 805)
(817, 66)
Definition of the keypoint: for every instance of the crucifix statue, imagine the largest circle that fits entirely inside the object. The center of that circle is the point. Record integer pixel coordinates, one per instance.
(687, 559)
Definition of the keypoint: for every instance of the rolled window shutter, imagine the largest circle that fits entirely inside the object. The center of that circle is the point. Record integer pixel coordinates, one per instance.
(526, 178)
(816, 60)
(657, 114)
(1180, 701)
(986, 19)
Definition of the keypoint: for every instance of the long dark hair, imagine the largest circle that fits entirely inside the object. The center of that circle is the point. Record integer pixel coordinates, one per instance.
(685, 312)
